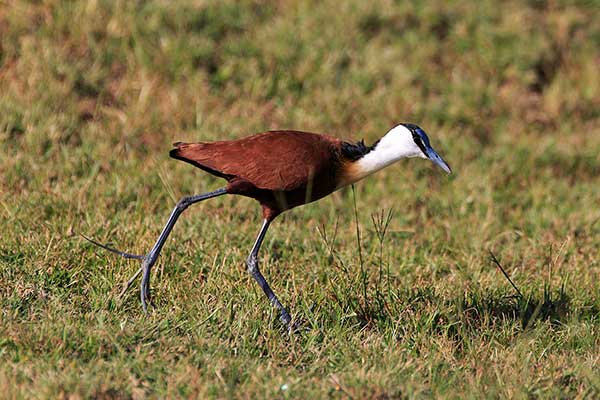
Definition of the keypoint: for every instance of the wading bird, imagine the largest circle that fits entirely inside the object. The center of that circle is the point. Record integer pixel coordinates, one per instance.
(283, 170)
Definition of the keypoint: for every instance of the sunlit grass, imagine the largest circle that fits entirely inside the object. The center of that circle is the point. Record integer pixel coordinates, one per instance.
(93, 93)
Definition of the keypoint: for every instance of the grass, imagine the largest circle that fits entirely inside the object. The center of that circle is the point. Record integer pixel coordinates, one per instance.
(93, 93)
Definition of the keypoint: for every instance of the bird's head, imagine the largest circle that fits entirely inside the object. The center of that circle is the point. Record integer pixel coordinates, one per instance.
(402, 141)
(412, 141)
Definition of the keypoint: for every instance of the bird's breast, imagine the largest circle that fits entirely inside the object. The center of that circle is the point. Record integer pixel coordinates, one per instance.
(350, 172)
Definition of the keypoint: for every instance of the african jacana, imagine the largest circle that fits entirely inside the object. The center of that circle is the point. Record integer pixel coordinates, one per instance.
(282, 170)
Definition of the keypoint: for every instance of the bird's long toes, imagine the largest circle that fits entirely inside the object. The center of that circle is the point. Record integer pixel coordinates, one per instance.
(296, 327)
(113, 250)
(128, 284)
(286, 319)
(144, 297)
(144, 304)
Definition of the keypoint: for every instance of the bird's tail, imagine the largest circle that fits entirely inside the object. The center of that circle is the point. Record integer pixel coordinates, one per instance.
(199, 155)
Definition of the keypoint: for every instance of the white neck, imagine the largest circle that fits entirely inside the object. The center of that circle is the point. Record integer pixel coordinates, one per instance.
(395, 145)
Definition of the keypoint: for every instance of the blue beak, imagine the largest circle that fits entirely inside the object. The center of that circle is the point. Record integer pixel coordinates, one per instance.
(436, 159)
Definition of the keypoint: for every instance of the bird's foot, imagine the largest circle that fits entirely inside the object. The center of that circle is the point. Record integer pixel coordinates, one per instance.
(147, 264)
(292, 325)
(148, 260)
(145, 288)
(297, 327)
(128, 284)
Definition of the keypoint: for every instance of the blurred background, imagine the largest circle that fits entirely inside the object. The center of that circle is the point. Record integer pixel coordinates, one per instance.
(144, 73)
(93, 93)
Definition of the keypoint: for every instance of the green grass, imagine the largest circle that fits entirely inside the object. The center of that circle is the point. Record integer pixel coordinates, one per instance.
(93, 93)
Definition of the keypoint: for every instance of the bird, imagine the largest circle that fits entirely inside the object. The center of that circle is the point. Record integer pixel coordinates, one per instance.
(282, 170)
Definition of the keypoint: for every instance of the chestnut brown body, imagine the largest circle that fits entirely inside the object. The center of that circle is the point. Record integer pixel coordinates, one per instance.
(280, 169)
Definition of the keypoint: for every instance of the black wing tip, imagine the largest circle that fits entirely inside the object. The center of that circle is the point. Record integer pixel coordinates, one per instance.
(175, 153)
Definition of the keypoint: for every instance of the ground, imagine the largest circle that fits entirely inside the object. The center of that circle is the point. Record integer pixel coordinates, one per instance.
(92, 94)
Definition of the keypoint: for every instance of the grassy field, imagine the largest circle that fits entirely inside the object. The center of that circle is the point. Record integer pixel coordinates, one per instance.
(93, 93)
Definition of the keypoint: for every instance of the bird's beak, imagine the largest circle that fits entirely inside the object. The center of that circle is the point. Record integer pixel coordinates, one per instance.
(436, 159)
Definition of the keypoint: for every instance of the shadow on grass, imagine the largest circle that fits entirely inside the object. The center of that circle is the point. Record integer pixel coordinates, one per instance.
(370, 301)
(471, 311)
(528, 309)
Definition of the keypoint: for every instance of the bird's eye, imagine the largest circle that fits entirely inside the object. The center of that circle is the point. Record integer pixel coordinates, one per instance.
(419, 142)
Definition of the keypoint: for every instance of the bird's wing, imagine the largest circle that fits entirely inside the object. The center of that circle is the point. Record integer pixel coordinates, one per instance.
(275, 160)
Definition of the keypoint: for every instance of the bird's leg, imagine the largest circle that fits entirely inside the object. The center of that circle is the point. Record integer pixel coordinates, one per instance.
(152, 256)
(252, 263)
(149, 259)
